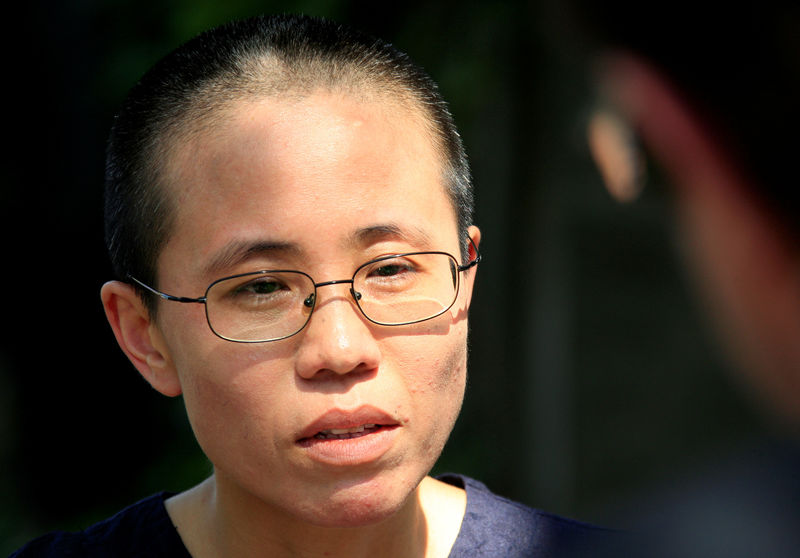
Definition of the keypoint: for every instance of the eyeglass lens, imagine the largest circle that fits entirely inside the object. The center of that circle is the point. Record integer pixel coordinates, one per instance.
(269, 305)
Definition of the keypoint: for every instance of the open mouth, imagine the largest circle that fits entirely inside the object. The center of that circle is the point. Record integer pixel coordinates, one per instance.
(349, 436)
(345, 439)
(347, 433)
(334, 434)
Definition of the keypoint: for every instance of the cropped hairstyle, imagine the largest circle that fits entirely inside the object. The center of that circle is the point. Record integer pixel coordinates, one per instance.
(188, 91)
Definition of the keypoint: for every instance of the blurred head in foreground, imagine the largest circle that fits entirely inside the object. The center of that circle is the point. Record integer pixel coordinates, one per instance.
(712, 94)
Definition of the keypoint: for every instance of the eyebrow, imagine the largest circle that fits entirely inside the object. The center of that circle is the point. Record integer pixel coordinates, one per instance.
(391, 231)
(239, 251)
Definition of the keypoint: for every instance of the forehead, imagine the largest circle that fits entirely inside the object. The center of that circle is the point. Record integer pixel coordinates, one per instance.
(289, 168)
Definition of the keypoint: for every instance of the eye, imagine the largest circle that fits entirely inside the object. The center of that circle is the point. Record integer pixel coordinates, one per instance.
(260, 291)
(264, 286)
(390, 269)
(393, 274)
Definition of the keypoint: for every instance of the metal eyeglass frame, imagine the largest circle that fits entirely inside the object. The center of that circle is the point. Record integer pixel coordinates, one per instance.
(310, 301)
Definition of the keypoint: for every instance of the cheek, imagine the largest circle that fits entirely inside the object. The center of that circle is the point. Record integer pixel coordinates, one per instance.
(231, 411)
(443, 374)
(233, 396)
(434, 366)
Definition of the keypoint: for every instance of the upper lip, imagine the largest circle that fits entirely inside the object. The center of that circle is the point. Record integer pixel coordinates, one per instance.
(341, 418)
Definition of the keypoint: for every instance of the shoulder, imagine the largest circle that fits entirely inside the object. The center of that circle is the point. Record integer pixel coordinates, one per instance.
(497, 526)
(143, 529)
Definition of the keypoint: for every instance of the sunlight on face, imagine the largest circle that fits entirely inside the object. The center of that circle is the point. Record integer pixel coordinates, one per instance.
(338, 424)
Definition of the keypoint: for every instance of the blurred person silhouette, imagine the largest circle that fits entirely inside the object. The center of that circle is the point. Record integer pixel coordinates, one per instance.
(712, 93)
(253, 157)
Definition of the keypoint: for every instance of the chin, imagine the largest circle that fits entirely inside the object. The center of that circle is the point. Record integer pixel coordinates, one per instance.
(359, 506)
(351, 513)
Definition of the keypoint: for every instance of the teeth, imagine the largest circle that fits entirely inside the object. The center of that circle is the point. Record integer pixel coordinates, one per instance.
(344, 432)
(338, 431)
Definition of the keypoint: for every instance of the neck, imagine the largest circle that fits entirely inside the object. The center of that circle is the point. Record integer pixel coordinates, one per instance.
(213, 522)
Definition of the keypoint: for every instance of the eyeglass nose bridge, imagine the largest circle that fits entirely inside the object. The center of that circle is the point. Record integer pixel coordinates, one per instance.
(311, 299)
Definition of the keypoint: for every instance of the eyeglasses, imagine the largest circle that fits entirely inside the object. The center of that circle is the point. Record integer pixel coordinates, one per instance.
(270, 305)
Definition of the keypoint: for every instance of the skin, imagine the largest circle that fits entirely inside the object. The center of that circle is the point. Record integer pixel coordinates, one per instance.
(745, 264)
(321, 184)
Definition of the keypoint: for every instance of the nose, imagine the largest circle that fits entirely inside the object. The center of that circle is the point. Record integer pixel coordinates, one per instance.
(338, 339)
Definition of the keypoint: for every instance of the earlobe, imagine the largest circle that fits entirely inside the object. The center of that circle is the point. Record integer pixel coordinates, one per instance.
(469, 277)
(139, 337)
(475, 235)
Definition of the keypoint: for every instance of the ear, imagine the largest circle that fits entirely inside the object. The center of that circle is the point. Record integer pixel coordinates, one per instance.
(139, 337)
(468, 279)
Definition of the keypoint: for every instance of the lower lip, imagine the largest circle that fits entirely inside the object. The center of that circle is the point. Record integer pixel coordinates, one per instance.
(351, 451)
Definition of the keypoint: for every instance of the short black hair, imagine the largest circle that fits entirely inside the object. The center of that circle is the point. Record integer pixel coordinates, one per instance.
(261, 56)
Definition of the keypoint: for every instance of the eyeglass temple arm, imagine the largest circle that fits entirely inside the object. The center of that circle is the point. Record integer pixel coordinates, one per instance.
(471, 263)
(165, 296)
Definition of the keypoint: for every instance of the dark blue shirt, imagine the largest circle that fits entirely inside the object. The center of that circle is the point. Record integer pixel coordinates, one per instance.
(492, 527)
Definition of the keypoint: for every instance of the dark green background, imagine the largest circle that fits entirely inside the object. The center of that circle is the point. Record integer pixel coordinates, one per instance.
(590, 372)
